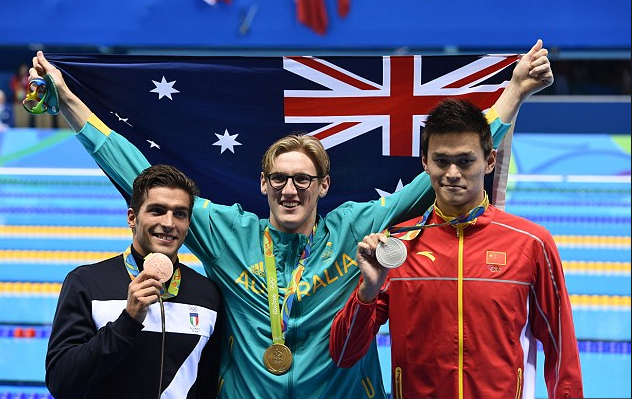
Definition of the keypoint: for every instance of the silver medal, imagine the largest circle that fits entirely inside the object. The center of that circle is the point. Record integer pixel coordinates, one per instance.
(392, 253)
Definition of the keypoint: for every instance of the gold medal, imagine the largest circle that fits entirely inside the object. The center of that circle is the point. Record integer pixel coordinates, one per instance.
(277, 359)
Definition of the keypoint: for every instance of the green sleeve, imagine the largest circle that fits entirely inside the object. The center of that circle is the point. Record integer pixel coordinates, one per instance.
(121, 161)
(118, 158)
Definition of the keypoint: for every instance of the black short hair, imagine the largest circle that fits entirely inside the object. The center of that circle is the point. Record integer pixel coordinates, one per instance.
(457, 116)
(161, 176)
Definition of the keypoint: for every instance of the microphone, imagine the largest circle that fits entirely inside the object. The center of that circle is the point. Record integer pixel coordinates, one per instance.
(161, 264)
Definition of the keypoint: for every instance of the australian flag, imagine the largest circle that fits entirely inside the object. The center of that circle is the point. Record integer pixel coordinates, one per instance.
(213, 117)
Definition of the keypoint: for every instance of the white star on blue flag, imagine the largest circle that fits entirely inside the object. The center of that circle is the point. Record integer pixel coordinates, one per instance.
(164, 88)
(227, 141)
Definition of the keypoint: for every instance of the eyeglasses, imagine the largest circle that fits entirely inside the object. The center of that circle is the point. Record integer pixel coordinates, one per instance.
(301, 181)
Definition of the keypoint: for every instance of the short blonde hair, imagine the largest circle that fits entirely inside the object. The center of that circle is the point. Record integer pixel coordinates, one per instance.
(309, 145)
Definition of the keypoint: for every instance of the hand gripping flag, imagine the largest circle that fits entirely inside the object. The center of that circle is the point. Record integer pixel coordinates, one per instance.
(213, 117)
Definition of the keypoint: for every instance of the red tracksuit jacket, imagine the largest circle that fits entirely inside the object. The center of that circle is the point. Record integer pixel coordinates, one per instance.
(465, 311)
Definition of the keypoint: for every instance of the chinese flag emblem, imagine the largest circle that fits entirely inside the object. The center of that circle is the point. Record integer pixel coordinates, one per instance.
(496, 258)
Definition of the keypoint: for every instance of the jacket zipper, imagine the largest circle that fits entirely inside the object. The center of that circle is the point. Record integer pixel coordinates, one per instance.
(519, 388)
(398, 383)
(459, 234)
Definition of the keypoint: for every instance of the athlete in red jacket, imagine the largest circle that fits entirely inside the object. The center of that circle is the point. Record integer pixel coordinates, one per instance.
(474, 295)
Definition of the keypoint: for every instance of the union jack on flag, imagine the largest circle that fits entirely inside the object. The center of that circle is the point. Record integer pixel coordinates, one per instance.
(213, 117)
(399, 104)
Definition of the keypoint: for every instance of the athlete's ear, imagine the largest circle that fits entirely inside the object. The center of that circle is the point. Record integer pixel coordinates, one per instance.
(491, 162)
(131, 218)
(324, 186)
(264, 184)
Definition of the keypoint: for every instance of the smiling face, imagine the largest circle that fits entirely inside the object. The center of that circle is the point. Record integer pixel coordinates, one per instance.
(162, 221)
(293, 210)
(457, 167)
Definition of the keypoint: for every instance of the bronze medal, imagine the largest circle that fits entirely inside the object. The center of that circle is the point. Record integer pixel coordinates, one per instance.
(277, 359)
(161, 264)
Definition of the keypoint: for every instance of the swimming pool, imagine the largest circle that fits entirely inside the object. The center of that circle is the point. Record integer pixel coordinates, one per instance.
(578, 186)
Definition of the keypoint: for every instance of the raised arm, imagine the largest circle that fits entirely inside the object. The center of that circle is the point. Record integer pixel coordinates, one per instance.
(532, 74)
(71, 107)
(120, 160)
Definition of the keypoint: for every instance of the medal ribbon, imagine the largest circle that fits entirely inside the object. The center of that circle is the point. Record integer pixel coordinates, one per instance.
(279, 321)
(413, 231)
(291, 292)
(133, 271)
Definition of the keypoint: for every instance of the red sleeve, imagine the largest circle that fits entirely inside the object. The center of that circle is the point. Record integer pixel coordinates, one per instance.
(553, 325)
(355, 327)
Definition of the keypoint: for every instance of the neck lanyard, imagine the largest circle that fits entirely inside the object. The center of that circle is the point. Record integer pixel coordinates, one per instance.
(413, 231)
(133, 271)
(279, 321)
